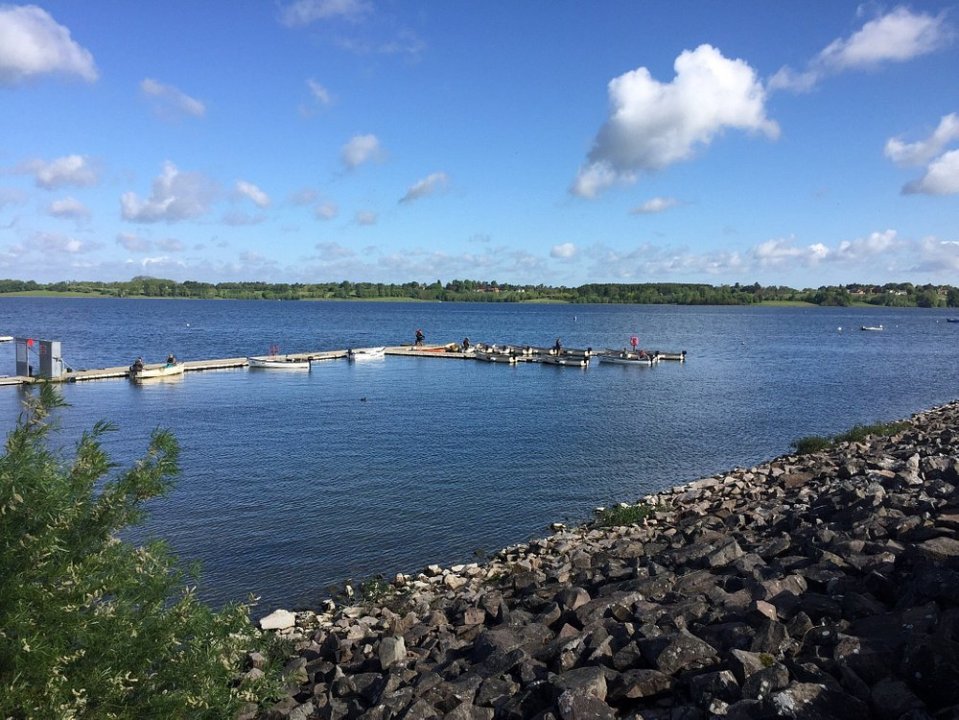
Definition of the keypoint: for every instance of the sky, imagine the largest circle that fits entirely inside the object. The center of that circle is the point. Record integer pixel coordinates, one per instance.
(797, 142)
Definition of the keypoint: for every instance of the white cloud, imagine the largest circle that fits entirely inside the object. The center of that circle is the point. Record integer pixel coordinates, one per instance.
(33, 43)
(169, 101)
(170, 245)
(55, 243)
(361, 149)
(649, 261)
(253, 193)
(176, 196)
(325, 211)
(305, 12)
(237, 218)
(11, 197)
(653, 125)
(334, 251)
(563, 251)
(133, 243)
(923, 151)
(655, 205)
(860, 249)
(306, 196)
(319, 93)
(898, 36)
(940, 257)
(366, 217)
(427, 186)
(783, 252)
(76, 170)
(69, 207)
(941, 178)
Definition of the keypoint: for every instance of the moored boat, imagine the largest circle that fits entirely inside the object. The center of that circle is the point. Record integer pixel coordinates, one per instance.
(278, 362)
(372, 353)
(641, 358)
(494, 356)
(139, 371)
(565, 360)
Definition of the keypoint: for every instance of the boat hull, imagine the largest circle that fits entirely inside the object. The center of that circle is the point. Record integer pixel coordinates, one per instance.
(278, 363)
(152, 373)
(629, 359)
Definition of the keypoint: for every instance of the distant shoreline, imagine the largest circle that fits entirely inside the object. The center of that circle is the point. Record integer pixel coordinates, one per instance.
(537, 301)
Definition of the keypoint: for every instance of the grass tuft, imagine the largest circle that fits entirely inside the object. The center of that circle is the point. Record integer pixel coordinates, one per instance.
(858, 433)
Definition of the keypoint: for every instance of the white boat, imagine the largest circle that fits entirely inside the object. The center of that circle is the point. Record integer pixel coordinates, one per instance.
(138, 371)
(9, 338)
(872, 328)
(630, 358)
(278, 362)
(498, 357)
(565, 360)
(372, 353)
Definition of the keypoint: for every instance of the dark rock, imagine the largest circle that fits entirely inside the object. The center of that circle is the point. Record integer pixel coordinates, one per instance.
(807, 701)
(642, 683)
(581, 706)
(683, 651)
(761, 684)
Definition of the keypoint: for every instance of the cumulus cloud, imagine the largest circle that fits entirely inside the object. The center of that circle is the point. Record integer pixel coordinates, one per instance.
(366, 217)
(653, 125)
(897, 36)
(169, 101)
(655, 205)
(253, 193)
(784, 252)
(563, 251)
(652, 261)
(133, 243)
(361, 149)
(325, 211)
(427, 186)
(941, 178)
(32, 43)
(176, 196)
(56, 243)
(68, 207)
(937, 256)
(306, 12)
(75, 170)
(923, 151)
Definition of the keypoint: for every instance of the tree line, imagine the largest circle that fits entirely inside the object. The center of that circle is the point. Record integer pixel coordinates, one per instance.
(890, 294)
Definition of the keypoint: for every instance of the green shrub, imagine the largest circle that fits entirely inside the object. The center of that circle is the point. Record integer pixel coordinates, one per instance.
(858, 433)
(92, 626)
(624, 515)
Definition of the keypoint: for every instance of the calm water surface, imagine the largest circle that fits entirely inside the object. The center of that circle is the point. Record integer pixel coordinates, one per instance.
(293, 482)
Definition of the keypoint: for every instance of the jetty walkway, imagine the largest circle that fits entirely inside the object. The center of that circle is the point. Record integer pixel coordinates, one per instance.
(451, 351)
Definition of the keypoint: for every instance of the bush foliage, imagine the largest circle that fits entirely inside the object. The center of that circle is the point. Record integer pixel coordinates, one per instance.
(858, 433)
(92, 626)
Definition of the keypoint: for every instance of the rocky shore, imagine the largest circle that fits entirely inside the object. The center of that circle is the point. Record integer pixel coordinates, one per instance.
(814, 586)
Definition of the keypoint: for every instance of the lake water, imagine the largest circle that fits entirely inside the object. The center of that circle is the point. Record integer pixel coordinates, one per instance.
(293, 482)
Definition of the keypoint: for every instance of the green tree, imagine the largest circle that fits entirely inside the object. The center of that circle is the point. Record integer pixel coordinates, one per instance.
(92, 626)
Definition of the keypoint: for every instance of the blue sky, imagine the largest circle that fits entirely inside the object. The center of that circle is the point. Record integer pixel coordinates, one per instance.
(798, 143)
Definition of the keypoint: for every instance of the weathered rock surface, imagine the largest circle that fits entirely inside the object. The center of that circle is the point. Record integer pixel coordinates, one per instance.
(819, 586)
